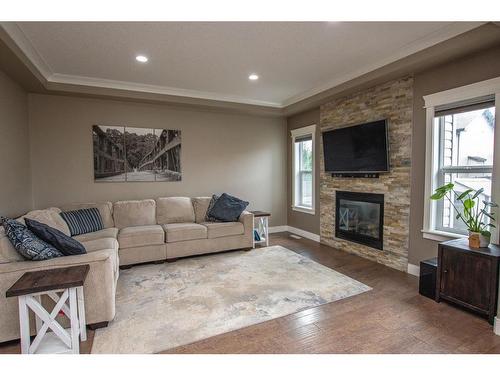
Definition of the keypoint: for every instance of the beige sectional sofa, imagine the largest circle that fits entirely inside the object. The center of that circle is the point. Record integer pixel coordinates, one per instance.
(137, 231)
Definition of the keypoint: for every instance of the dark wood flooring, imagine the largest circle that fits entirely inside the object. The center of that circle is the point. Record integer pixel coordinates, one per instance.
(391, 318)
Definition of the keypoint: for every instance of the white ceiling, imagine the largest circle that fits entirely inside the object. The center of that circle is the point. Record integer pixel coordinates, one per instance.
(212, 60)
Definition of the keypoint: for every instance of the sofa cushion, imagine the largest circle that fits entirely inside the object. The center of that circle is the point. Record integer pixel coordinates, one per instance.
(84, 220)
(141, 236)
(134, 213)
(200, 205)
(26, 243)
(8, 253)
(100, 244)
(49, 216)
(104, 233)
(227, 208)
(216, 230)
(184, 232)
(105, 209)
(65, 244)
(174, 210)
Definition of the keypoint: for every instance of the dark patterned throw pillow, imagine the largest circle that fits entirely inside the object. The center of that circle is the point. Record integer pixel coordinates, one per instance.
(210, 206)
(83, 221)
(227, 208)
(26, 243)
(56, 238)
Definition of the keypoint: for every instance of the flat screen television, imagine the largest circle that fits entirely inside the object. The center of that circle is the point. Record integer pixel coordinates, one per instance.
(357, 149)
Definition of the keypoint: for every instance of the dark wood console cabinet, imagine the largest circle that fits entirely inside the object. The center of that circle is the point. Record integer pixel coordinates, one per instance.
(468, 277)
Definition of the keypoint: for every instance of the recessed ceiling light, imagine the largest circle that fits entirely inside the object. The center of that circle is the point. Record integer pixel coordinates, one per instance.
(253, 77)
(141, 58)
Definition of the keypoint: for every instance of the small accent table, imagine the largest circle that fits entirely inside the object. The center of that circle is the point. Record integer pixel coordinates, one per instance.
(59, 284)
(261, 225)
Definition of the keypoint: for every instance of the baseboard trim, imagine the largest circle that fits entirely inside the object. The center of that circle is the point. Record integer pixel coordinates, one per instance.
(280, 228)
(496, 326)
(297, 231)
(303, 233)
(413, 270)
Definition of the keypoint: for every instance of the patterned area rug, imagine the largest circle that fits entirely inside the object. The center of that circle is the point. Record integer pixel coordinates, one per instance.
(159, 307)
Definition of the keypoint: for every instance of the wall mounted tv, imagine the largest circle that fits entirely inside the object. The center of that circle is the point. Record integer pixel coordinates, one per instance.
(357, 149)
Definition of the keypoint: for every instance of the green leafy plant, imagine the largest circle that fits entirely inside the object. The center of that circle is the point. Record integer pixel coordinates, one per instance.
(472, 214)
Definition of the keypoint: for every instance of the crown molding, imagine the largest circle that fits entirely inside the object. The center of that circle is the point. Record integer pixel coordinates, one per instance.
(436, 37)
(52, 81)
(22, 42)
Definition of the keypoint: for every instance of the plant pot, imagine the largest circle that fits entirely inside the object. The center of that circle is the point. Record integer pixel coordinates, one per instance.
(477, 240)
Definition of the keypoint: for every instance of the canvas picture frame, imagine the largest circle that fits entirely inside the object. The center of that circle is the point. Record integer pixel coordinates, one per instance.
(135, 154)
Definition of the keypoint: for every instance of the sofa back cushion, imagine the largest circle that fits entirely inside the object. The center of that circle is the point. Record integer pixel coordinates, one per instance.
(200, 205)
(134, 213)
(50, 216)
(8, 253)
(105, 209)
(174, 210)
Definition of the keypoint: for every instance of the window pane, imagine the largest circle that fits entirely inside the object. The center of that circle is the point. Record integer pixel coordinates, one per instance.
(446, 213)
(306, 155)
(467, 138)
(306, 189)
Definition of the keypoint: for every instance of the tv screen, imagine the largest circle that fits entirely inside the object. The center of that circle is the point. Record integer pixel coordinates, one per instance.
(359, 148)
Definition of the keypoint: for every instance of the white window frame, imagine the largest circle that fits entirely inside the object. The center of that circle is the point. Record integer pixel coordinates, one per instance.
(297, 133)
(486, 88)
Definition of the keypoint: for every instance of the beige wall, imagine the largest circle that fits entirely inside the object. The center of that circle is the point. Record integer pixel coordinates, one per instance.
(15, 184)
(238, 154)
(301, 220)
(470, 69)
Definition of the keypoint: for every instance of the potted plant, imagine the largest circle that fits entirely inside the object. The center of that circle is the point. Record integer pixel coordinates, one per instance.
(471, 214)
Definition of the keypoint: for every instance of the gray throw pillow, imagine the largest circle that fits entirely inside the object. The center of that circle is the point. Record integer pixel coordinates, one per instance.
(56, 238)
(210, 206)
(26, 243)
(227, 208)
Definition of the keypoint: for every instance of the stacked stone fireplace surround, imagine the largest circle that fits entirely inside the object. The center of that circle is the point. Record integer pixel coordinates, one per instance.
(392, 101)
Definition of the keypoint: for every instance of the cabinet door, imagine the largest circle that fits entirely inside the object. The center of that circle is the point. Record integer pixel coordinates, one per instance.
(466, 278)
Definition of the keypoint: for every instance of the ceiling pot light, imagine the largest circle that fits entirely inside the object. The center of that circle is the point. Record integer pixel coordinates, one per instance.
(253, 77)
(141, 58)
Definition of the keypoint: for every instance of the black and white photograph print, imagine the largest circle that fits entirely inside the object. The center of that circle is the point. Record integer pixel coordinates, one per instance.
(128, 154)
(110, 163)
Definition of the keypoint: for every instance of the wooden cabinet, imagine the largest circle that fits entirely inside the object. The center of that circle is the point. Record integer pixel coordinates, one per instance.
(468, 277)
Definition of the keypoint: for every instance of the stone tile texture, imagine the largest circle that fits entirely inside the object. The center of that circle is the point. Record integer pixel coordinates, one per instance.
(392, 101)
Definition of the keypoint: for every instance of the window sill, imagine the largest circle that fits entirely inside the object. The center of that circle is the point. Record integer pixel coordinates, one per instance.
(304, 210)
(437, 235)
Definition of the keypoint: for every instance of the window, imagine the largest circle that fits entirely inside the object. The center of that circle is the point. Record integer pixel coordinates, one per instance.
(460, 148)
(303, 169)
(465, 157)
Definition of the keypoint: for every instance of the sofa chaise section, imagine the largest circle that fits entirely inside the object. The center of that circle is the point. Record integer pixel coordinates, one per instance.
(99, 287)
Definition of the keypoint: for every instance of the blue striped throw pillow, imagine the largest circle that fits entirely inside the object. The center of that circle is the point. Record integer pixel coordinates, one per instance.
(83, 221)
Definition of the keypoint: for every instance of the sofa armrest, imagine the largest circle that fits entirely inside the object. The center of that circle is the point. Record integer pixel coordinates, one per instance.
(65, 261)
(246, 218)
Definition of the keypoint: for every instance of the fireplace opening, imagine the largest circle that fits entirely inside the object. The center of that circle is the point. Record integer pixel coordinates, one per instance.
(359, 217)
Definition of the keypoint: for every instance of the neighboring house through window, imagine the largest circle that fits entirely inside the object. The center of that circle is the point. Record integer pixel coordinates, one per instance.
(303, 169)
(461, 136)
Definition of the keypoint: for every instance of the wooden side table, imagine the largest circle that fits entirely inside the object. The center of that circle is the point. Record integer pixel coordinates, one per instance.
(469, 277)
(261, 225)
(61, 285)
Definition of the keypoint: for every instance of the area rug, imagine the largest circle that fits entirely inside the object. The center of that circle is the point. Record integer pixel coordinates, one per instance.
(159, 307)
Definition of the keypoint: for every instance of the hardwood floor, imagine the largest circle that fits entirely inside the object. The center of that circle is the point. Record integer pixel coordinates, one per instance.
(391, 318)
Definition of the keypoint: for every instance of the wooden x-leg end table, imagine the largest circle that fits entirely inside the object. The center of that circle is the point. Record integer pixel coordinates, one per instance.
(61, 285)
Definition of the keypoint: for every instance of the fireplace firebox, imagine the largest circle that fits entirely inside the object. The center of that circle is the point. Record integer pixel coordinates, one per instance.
(359, 217)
